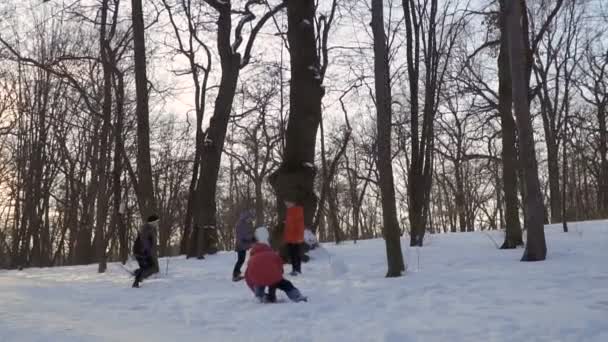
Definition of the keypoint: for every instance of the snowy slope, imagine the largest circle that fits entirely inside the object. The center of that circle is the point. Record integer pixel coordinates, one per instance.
(458, 288)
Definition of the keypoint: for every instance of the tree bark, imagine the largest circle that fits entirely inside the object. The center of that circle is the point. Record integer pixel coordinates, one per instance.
(513, 232)
(205, 225)
(294, 180)
(390, 229)
(536, 248)
(147, 201)
(102, 195)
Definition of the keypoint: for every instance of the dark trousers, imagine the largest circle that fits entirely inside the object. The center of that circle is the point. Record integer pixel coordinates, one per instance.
(239, 262)
(283, 285)
(147, 267)
(293, 250)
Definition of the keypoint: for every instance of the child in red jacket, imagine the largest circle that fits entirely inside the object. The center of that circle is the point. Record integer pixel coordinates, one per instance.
(265, 269)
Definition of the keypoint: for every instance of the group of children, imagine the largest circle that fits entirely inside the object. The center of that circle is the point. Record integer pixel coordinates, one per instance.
(265, 266)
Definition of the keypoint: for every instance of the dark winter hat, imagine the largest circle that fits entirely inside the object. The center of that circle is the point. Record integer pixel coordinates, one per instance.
(152, 218)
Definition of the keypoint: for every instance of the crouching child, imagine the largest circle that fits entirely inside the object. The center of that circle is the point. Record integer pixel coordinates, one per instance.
(265, 270)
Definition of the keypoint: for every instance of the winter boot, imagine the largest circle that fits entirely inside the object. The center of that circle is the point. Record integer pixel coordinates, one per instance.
(296, 296)
(268, 298)
(237, 277)
(137, 275)
(259, 292)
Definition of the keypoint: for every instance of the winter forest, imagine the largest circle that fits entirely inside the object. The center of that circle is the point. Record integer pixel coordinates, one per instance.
(384, 118)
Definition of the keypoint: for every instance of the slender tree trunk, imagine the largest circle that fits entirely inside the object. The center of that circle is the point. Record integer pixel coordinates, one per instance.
(554, 191)
(205, 216)
(460, 198)
(536, 248)
(391, 230)
(564, 175)
(102, 195)
(118, 225)
(603, 149)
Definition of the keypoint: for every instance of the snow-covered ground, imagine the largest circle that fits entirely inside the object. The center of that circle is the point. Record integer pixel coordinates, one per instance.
(458, 288)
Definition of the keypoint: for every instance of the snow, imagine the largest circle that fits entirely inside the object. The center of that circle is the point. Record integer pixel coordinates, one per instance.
(457, 288)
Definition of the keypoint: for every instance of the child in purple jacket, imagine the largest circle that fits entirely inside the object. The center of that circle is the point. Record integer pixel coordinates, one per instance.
(244, 240)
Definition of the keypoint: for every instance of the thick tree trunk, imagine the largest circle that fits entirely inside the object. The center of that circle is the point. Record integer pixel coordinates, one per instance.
(147, 201)
(536, 248)
(294, 180)
(513, 233)
(390, 229)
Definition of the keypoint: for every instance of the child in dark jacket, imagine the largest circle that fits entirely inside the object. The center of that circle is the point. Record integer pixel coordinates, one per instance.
(265, 269)
(244, 240)
(144, 250)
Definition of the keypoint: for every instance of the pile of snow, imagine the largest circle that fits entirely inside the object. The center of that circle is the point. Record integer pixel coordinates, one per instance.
(458, 288)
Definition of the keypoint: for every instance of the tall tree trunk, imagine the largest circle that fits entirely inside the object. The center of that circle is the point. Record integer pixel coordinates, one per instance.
(536, 248)
(294, 180)
(460, 198)
(102, 195)
(259, 202)
(147, 201)
(118, 225)
(603, 149)
(390, 226)
(513, 233)
(205, 223)
(554, 191)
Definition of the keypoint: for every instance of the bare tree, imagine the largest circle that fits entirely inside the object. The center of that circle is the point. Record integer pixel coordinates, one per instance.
(145, 187)
(593, 89)
(188, 46)
(231, 62)
(536, 248)
(513, 232)
(384, 156)
(294, 179)
(430, 34)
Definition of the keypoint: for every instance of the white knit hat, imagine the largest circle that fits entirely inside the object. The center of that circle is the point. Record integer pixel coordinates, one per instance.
(261, 234)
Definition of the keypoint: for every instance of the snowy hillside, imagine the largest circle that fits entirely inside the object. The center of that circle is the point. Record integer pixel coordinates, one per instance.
(458, 288)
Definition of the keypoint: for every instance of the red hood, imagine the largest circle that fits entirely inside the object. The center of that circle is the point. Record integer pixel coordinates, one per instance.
(258, 248)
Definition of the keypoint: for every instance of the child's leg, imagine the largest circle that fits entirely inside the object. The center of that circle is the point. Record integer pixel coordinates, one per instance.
(259, 292)
(142, 262)
(272, 294)
(294, 257)
(284, 285)
(239, 263)
(149, 268)
(292, 292)
(298, 254)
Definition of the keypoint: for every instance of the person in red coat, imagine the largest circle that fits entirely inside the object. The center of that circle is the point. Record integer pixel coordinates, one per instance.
(294, 235)
(265, 269)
